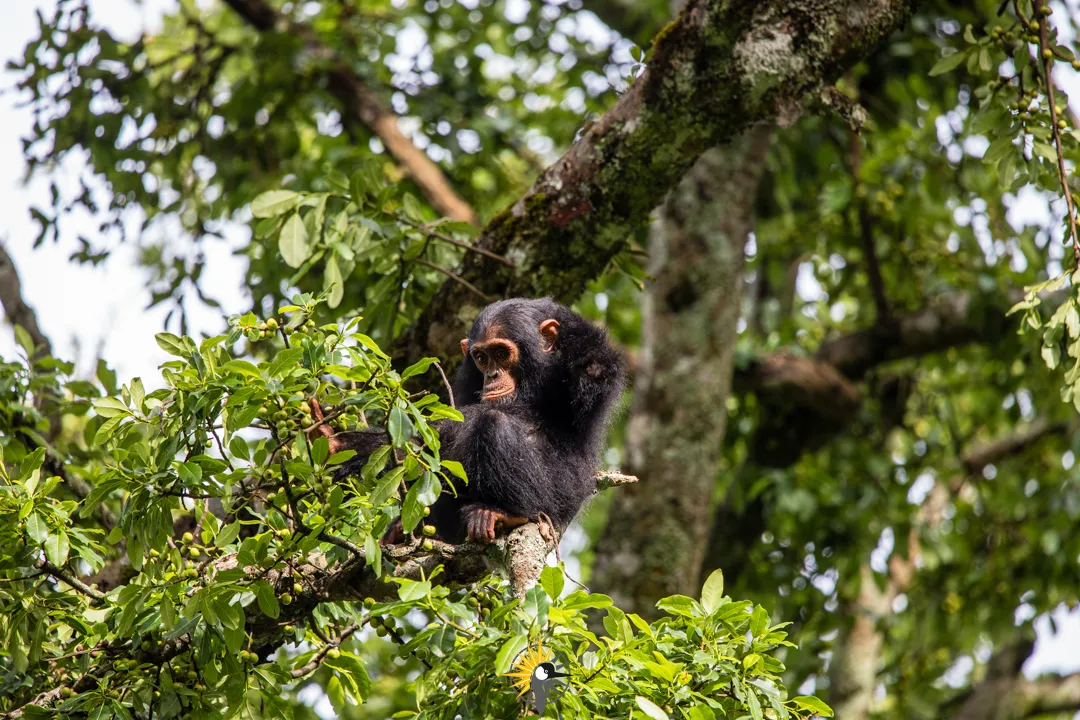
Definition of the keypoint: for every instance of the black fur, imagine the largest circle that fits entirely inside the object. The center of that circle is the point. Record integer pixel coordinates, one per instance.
(537, 451)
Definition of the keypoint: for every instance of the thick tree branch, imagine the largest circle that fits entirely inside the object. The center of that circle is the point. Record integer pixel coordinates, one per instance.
(979, 457)
(15, 308)
(1005, 694)
(362, 105)
(948, 321)
(717, 70)
(810, 399)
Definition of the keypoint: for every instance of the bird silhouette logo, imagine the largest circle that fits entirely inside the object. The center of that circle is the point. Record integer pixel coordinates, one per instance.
(538, 677)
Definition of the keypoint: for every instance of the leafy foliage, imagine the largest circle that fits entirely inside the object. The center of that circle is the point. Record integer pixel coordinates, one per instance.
(239, 543)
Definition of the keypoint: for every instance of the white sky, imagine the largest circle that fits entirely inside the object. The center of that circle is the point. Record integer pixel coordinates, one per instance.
(82, 309)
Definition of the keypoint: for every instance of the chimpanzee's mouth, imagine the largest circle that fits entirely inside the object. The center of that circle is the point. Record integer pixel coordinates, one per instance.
(497, 393)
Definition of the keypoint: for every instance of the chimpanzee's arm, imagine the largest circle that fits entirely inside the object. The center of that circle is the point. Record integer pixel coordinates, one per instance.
(594, 370)
(504, 458)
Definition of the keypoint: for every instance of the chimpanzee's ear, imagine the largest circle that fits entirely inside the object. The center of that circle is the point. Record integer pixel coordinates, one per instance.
(549, 335)
(465, 347)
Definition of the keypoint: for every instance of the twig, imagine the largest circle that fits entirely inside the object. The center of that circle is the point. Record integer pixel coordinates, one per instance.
(220, 447)
(314, 663)
(50, 569)
(449, 390)
(341, 543)
(866, 235)
(455, 277)
(612, 478)
(472, 248)
(1048, 62)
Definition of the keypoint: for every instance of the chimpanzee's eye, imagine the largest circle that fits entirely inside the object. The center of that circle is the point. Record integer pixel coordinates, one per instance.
(480, 358)
(501, 354)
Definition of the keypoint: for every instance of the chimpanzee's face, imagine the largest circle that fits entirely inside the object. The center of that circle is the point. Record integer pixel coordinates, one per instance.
(498, 358)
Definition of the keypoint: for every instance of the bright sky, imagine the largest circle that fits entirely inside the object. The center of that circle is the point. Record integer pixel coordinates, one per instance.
(88, 312)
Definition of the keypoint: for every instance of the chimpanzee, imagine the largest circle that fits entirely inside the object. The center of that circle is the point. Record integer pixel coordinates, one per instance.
(537, 388)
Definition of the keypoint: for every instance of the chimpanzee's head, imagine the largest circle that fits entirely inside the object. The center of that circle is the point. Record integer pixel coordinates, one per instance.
(508, 353)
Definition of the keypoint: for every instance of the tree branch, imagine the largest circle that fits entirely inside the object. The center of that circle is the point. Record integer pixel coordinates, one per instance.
(15, 308)
(1005, 694)
(362, 105)
(716, 71)
(979, 457)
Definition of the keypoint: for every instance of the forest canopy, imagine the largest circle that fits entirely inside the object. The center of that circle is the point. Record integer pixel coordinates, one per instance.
(844, 481)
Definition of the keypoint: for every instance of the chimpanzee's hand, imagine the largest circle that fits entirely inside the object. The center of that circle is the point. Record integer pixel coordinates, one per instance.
(322, 429)
(483, 521)
(395, 534)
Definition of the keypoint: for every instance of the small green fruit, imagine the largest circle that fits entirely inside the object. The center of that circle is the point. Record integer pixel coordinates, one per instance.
(333, 653)
(188, 537)
(297, 588)
(429, 530)
(286, 599)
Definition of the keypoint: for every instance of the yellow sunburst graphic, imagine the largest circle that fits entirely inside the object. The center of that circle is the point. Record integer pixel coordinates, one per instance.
(525, 663)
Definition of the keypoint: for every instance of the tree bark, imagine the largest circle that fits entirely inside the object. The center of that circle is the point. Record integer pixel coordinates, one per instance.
(16, 309)
(717, 70)
(657, 530)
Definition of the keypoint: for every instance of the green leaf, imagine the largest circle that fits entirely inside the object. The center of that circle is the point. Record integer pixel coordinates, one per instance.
(759, 621)
(375, 463)
(333, 283)
(108, 407)
(456, 469)
(1052, 355)
(410, 590)
(387, 486)
(293, 242)
(423, 493)
(57, 548)
(811, 703)
(238, 447)
(399, 426)
(509, 650)
(650, 708)
(418, 368)
(581, 600)
(172, 344)
(138, 393)
(273, 203)
(678, 605)
(336, 694)
(227, 534)
(702, 712)
(754, 705)
(268, 602)
(552, 580)
(37, 529)
(284, 361)
(947, 63)
(712, 593)
(23, 338)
